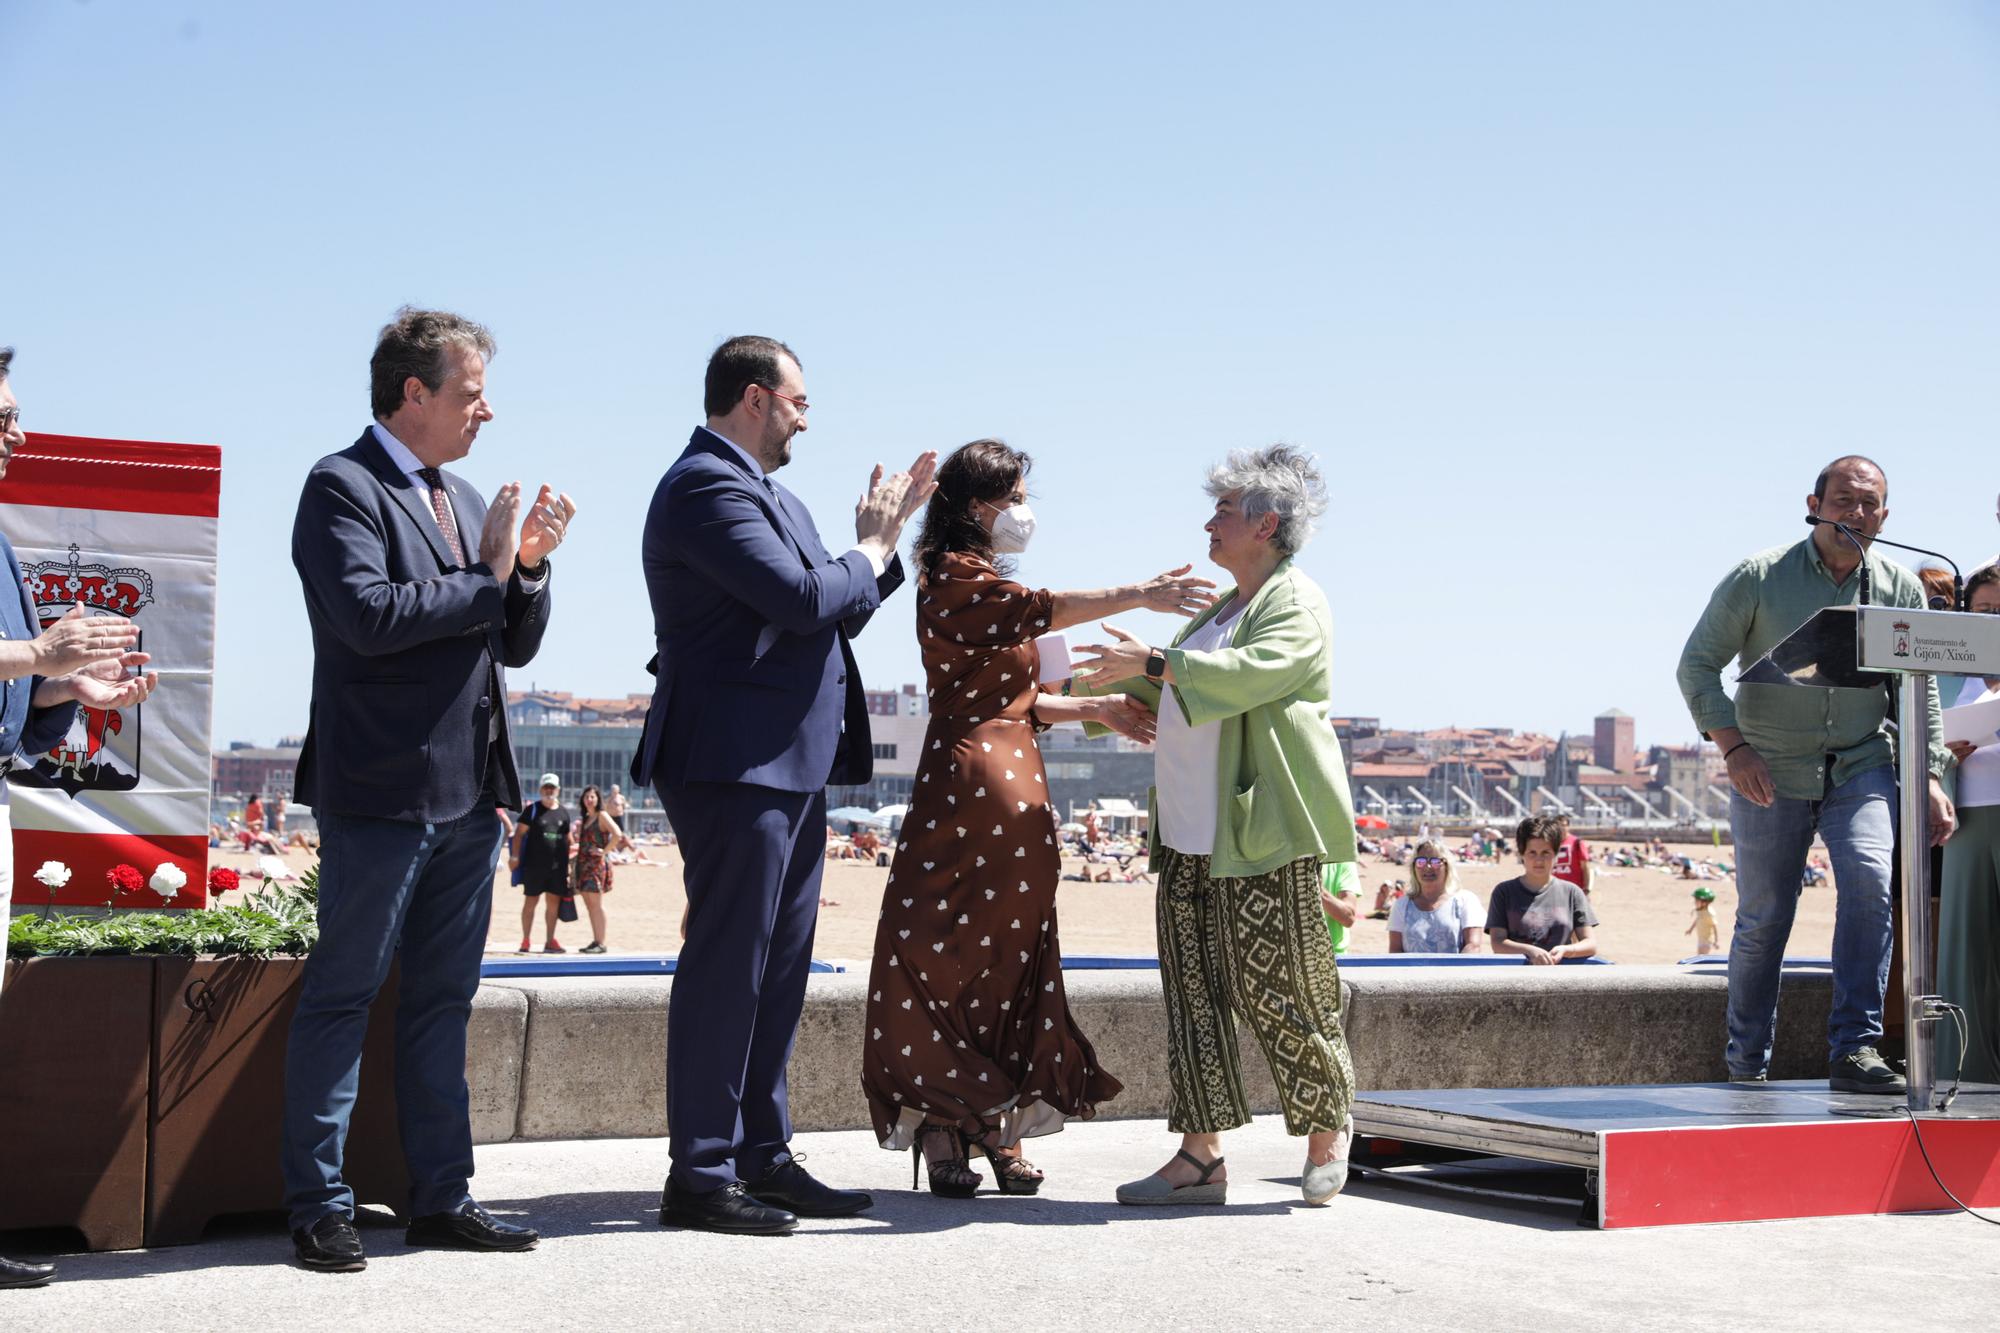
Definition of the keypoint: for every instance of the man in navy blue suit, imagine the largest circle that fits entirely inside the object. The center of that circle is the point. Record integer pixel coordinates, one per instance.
(419, 595)
(757, 706)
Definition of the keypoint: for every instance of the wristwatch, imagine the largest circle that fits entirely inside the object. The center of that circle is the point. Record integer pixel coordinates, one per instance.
(1156, 664)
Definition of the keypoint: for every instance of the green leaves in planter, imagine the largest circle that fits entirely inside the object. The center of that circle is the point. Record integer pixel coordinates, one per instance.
(275, 920)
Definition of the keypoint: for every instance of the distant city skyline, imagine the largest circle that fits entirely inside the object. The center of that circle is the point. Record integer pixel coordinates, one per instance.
(637, 699)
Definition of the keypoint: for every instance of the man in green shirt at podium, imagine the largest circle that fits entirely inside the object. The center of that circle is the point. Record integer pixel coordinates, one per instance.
(1807, 761)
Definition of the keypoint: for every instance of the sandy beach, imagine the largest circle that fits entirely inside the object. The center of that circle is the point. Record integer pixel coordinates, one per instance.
(1642, 912)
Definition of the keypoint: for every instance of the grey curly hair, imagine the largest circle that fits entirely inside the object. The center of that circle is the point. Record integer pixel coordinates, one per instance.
(1282, 480)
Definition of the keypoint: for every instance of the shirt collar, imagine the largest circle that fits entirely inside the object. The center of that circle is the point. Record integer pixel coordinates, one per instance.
(1818, 563)
(399, 453)
(756, 468)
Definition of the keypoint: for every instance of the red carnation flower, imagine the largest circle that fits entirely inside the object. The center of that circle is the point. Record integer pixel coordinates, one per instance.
(125, 879)
(222, 880)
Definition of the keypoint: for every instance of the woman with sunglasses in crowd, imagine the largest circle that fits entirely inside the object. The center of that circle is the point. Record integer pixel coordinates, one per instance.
(1435, 915)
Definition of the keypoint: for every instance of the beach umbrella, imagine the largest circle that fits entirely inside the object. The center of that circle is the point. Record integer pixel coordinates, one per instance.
(855, 814)
(1370, 822)
(892, 815)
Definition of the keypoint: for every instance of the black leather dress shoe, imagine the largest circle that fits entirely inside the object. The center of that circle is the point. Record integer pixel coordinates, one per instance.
(470, 1227)
(330, 1245)
(729, 1209)
(14, 1273)
(788, 1186)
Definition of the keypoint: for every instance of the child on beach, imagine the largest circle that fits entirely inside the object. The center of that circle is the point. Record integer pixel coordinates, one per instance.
(1537, 915)
(1707, 937)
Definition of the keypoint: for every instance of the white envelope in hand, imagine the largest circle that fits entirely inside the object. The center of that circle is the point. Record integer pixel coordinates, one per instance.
(1053, 651)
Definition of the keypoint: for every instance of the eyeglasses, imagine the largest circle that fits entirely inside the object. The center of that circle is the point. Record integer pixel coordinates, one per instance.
(1436, 862)
(800, 403)
(8, 416)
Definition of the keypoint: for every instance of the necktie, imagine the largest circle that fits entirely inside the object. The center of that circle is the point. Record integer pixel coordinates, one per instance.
(441, 507)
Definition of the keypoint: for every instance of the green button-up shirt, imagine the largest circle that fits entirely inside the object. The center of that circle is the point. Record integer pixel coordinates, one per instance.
(1800, 731)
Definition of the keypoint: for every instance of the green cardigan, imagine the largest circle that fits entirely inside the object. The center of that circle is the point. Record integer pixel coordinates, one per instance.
(1282, 790)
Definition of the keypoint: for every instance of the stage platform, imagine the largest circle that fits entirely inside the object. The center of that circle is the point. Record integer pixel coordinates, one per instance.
(1680, 1153)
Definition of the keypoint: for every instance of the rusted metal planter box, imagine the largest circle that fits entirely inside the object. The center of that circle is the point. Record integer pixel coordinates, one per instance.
(76, 1037)
(142, 1097)
(218, 1095)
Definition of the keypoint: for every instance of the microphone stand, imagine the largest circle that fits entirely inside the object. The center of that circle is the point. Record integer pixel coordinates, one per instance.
(1957, 580)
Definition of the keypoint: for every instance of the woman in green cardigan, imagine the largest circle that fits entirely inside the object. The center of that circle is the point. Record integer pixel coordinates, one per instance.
(1251, 797)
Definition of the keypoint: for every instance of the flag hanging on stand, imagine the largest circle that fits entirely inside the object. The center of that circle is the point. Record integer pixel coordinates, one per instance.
(122, 528)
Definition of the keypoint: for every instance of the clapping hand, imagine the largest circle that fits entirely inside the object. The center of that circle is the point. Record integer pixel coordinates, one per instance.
(102, 685)
(1128, 715)
(498, 540)
(544, 527)
(1177, 594)
(1111, 661)
(891, 501)
(77, 641)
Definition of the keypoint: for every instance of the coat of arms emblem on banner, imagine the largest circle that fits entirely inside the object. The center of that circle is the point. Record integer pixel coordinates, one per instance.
(83, 759)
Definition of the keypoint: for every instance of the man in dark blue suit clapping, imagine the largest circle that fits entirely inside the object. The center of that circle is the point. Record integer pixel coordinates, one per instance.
(419, 595)
(757, 706)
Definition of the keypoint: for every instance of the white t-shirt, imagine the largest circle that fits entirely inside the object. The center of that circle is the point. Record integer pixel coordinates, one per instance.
(1978, 772)
(1184, 757)
(1439, 930)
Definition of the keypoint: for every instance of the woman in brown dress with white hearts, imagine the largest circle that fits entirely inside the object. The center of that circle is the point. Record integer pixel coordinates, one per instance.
(969, 1044)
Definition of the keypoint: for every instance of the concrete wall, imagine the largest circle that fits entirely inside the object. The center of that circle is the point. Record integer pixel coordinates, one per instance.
(578, 1057)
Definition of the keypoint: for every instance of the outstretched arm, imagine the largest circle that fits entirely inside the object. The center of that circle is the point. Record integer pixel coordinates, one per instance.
(1172, 592)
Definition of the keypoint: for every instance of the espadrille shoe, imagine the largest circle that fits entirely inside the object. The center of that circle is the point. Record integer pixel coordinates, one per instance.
(1155, 1189)
(1319, 1183)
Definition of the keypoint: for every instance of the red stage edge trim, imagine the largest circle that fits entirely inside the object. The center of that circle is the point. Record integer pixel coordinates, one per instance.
(128, 476)
(1758, 1173)
(90, 856)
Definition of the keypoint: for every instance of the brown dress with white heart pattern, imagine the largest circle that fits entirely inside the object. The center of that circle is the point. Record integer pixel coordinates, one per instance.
(967, 1020)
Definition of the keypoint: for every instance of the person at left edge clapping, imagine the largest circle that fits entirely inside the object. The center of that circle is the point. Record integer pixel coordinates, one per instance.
(44, 674)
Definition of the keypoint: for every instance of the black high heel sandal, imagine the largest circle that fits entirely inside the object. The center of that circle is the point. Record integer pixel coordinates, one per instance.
(950, 1177)
(1013, 1174)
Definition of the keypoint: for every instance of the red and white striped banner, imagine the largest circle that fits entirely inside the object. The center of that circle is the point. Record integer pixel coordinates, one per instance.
(125, 528)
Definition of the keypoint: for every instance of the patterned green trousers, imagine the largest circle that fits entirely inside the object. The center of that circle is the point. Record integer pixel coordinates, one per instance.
(1257, 947)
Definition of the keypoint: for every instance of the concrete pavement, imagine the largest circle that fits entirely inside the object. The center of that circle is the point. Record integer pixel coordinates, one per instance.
(1380, 1258)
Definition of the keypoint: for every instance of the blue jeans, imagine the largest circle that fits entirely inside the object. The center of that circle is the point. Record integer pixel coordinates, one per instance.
(423, 892)
(1857, 821)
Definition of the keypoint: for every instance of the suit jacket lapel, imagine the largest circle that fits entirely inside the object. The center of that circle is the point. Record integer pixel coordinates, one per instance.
(782, 502)
(770, 496)
(404, 492)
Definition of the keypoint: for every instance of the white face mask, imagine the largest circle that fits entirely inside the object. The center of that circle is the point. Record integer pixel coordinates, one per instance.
(1012, 529)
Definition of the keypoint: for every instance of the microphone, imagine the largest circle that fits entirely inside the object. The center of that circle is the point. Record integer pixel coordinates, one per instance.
(1866, 587)
(1957, 579)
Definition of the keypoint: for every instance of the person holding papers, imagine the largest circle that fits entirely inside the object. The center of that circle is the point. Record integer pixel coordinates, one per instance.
(969, 1042)
(1969, 917)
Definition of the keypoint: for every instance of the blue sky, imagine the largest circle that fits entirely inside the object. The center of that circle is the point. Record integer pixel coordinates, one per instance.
(1571, 299)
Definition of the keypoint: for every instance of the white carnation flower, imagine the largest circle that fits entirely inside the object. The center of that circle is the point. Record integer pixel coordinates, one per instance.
(54, 874)
(168, 880)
